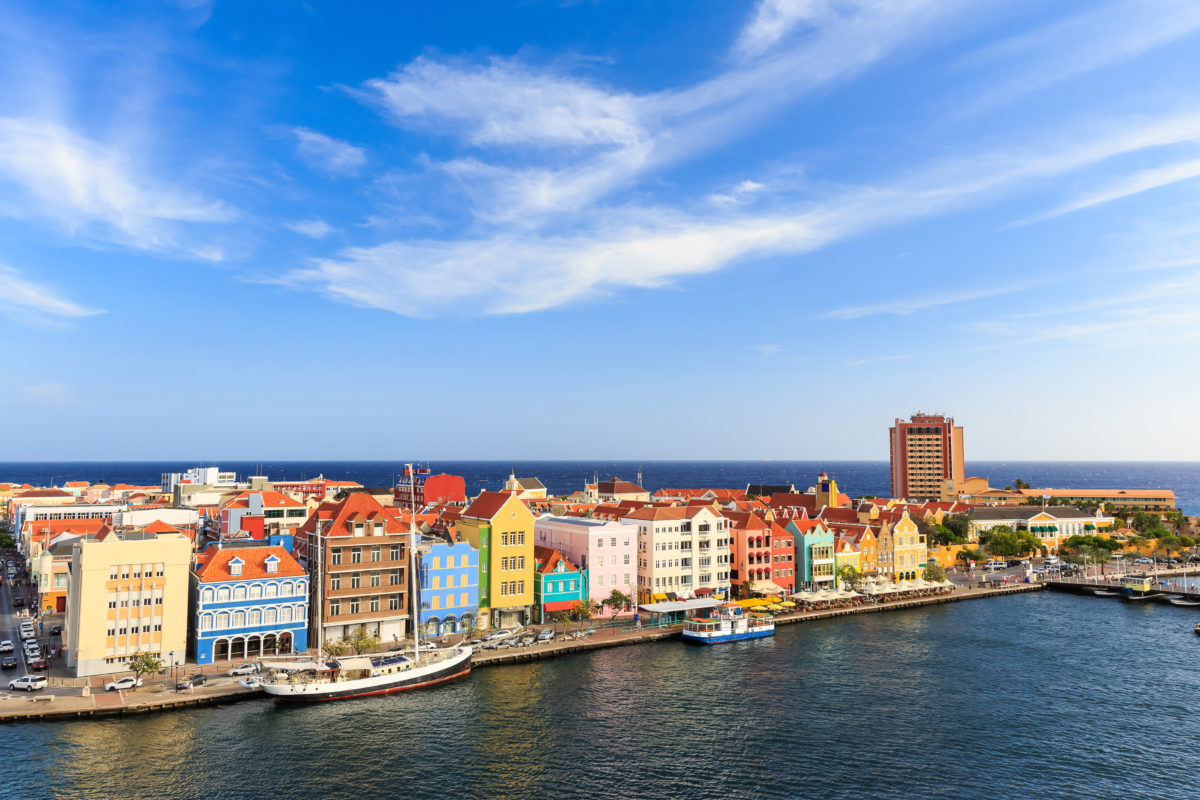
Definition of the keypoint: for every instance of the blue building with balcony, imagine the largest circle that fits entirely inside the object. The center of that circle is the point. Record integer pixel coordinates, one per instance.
(449, 586)
(249, 599)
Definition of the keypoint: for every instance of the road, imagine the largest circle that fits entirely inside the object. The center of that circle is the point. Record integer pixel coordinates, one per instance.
(10, 622)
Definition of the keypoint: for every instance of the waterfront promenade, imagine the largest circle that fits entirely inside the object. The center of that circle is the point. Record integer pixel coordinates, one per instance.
(67, 698)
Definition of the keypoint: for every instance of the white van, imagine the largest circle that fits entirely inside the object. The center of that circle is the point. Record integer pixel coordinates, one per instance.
(1052, 560)
(995, 566)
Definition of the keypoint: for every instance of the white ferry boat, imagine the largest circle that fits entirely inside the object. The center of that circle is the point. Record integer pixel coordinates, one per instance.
(728, 624)
(362, 676)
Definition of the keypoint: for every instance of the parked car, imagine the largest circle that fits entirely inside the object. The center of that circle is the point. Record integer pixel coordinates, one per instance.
(494, 635)
(995, 566)
(8, 662)
(427, 646)
(245, 669)
(199, 678)
(1052, 560)
(28, 635)
(546, 635)
(56, 630)
(1013, 562)
(528, 639)
(33, 651)
(128, 682)
(38, 664)
(491, 645)
(18, 602)
(6, 646)
(28, 683)
(1144, 560)
(512, 641)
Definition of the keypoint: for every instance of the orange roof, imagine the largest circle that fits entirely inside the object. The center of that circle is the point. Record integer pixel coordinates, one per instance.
(158, 526)
(213, 564)
(547, 559)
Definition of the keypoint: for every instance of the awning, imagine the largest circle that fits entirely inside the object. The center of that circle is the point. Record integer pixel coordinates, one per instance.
(295, 666)
(681, 605)
(703, 592)
(355, 662)
(1089, 527)
(767, 587)
(659, 598)
(560, 605)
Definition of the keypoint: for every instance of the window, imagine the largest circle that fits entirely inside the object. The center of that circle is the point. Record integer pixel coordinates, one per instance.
(394, 577)
(521, 537)
(599, 541)
(613, 542)
(239, 593)
(375, 578)
(112, 574)
(356, 580)
(125, 573)
(335, 608)
(626, 559)
(520, 587)
(269, 616)
(255, 617)
(354, 606)
(395, 552)
(271, 590)
(235, 569)
(376, 553)
(335, 582)
(272, 565)
(113, 631)
(393, 602)
(239, 619)
(520, 562)
(503, 589)
(112, 603)
(358, 529)
(504, 539)
(335, 555)
(356, 555)
(374, 604)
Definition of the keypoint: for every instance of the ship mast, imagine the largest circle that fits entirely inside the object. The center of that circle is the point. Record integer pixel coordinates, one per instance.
(412, 562)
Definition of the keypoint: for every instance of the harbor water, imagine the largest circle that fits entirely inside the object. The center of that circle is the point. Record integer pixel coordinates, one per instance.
(1044, 694)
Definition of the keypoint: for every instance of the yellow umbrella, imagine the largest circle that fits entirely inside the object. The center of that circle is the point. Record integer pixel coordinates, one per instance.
(788, 604)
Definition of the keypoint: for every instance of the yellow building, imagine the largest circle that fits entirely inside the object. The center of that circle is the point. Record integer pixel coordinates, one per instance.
(500, 527)
(845, 554)
(909, 549)
(128, 594)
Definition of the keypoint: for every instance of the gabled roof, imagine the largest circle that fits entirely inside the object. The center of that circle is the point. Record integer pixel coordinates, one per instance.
(354, 507)
(838, 514)
(38, 493)
(618, 486)
(487, 505)
(547, 559)
(212, 564)
(530, 484)
(158, 526)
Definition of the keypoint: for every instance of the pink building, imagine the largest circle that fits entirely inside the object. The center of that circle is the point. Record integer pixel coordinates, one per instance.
(605, 551)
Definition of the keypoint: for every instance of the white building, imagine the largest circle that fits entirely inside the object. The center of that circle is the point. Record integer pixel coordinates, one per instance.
(682, 550)
(206, 476)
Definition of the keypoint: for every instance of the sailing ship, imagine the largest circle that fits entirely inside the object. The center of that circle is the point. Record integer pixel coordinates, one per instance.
(727, 624)
(343, 677)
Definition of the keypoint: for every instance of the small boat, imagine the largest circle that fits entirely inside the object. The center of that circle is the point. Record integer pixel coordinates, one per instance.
(362, 676)
(1197, 628)
(1139, 587)
(1105, 593)
(727, 624)
(250, 683)
(1177, 600)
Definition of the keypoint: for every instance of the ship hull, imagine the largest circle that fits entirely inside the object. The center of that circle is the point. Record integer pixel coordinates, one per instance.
(458, 666)
(696, 638)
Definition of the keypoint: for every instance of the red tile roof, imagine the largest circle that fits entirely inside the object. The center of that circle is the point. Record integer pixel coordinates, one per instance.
(547, 559)
(213, 564)
(487, 505)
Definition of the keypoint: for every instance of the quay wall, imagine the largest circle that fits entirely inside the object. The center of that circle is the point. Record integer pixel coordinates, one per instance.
(19, 708)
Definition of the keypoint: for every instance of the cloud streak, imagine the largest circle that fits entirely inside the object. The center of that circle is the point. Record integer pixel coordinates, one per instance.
(25, 299)
(328, 154)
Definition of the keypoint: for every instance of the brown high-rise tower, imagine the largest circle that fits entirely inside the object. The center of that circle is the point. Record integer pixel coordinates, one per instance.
(927, 458)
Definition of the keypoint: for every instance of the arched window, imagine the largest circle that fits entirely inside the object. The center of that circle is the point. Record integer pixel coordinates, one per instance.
(255, 591)
(269, 616)
(239, 619)
(207, 595)
(239, 593)
(298, 614)
(255, 618)
(223, 594)
(285, 614)
(272, 590)
(206, 621)
(223, 619)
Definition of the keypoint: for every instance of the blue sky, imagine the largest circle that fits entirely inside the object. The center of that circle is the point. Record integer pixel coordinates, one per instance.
(598, 229)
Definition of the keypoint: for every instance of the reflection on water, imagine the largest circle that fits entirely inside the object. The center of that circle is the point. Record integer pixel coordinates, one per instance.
(1053, 695)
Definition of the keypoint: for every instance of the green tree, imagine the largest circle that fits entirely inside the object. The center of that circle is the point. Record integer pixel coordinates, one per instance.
(145, 664)
(1020, 484)
(618, 601)
(1144, 522)
(959, 525)
(333, 649)
(850, 576)
(360, 641)
(6, 541)
(747, 587)
(562, 618)
(934, 572)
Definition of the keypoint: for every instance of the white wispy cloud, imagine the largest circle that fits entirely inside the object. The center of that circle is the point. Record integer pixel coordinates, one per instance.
(774, 20)
(1103, 35)
(516, 269)
(26, 299)
(910, 305)
(49, 394)
(506, 103)
(314, 228)
(96, 190)
(737, 195)
(1127, 186)
(328, 154)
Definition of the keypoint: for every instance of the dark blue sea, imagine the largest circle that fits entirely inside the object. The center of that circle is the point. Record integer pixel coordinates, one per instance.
(854, 477)
(1050, 696)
